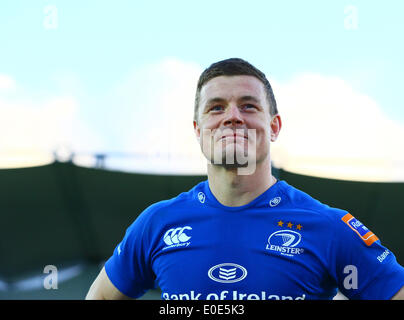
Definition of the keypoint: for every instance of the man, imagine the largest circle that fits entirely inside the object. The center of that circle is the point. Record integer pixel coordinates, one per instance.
(242, 234)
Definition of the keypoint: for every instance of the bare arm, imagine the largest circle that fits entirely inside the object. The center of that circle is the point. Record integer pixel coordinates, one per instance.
(103, 289)
(399, 295)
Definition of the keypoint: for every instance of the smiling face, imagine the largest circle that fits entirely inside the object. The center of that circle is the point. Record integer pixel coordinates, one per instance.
(234, 122)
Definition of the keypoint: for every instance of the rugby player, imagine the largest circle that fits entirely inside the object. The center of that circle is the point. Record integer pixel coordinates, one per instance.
(242, 234)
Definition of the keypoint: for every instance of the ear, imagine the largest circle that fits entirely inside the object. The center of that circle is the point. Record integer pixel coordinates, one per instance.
(276, 125)
(197, 130)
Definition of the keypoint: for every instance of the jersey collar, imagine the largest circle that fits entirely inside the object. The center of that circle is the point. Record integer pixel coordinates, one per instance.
(210, 199)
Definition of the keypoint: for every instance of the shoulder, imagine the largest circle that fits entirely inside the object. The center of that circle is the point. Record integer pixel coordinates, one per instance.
(340, 222)
(301, 201)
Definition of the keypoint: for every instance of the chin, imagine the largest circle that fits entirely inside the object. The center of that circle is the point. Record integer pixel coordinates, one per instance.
(231, 157)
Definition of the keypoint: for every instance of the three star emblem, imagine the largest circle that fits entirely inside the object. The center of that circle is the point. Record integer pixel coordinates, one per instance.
(290, 225)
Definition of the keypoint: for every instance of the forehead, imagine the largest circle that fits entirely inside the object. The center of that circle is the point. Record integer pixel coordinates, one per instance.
(229, 87)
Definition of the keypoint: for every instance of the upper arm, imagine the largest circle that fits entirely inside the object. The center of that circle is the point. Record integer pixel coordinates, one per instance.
(103, 289)
(399, 295)
(373, 268)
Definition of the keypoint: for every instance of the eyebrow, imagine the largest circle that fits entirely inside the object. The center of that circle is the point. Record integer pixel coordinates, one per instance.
(249, 98)
(241, 99)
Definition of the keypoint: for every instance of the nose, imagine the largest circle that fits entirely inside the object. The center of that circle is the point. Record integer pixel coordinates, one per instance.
(233, 117)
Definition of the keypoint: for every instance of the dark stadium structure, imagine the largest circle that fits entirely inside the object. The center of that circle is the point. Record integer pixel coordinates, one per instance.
(72, 218)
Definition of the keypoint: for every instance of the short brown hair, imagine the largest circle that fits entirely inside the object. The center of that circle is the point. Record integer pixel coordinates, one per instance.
(234, 67)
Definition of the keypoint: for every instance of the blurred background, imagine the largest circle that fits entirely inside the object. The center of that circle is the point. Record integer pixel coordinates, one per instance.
(96, 107)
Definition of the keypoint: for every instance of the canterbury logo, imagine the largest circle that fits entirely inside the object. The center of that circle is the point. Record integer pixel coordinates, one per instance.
(176, 236)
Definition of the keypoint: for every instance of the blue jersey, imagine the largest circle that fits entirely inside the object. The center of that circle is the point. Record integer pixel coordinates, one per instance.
(283, 245)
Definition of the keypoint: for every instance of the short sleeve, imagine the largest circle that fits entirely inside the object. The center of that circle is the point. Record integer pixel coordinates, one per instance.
(129, 267)
(362, 267)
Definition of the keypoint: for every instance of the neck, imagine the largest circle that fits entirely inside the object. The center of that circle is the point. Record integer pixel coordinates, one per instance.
(233, 190)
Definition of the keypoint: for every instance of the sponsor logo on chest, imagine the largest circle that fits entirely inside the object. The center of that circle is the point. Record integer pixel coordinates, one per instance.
(227, 273)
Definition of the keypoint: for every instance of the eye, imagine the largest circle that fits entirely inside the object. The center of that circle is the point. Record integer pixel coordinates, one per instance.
(249, 107)
(216, 108)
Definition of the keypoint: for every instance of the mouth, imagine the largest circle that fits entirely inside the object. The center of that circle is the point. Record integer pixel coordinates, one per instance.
(234, 136)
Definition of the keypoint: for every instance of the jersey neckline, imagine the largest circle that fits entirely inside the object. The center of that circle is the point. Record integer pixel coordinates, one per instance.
(270, 193)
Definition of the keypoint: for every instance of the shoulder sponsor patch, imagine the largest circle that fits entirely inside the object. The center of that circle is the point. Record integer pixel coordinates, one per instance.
(364, 233)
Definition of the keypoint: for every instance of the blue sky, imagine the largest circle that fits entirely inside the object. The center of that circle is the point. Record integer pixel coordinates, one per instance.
(95, 46)
(101, 40)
